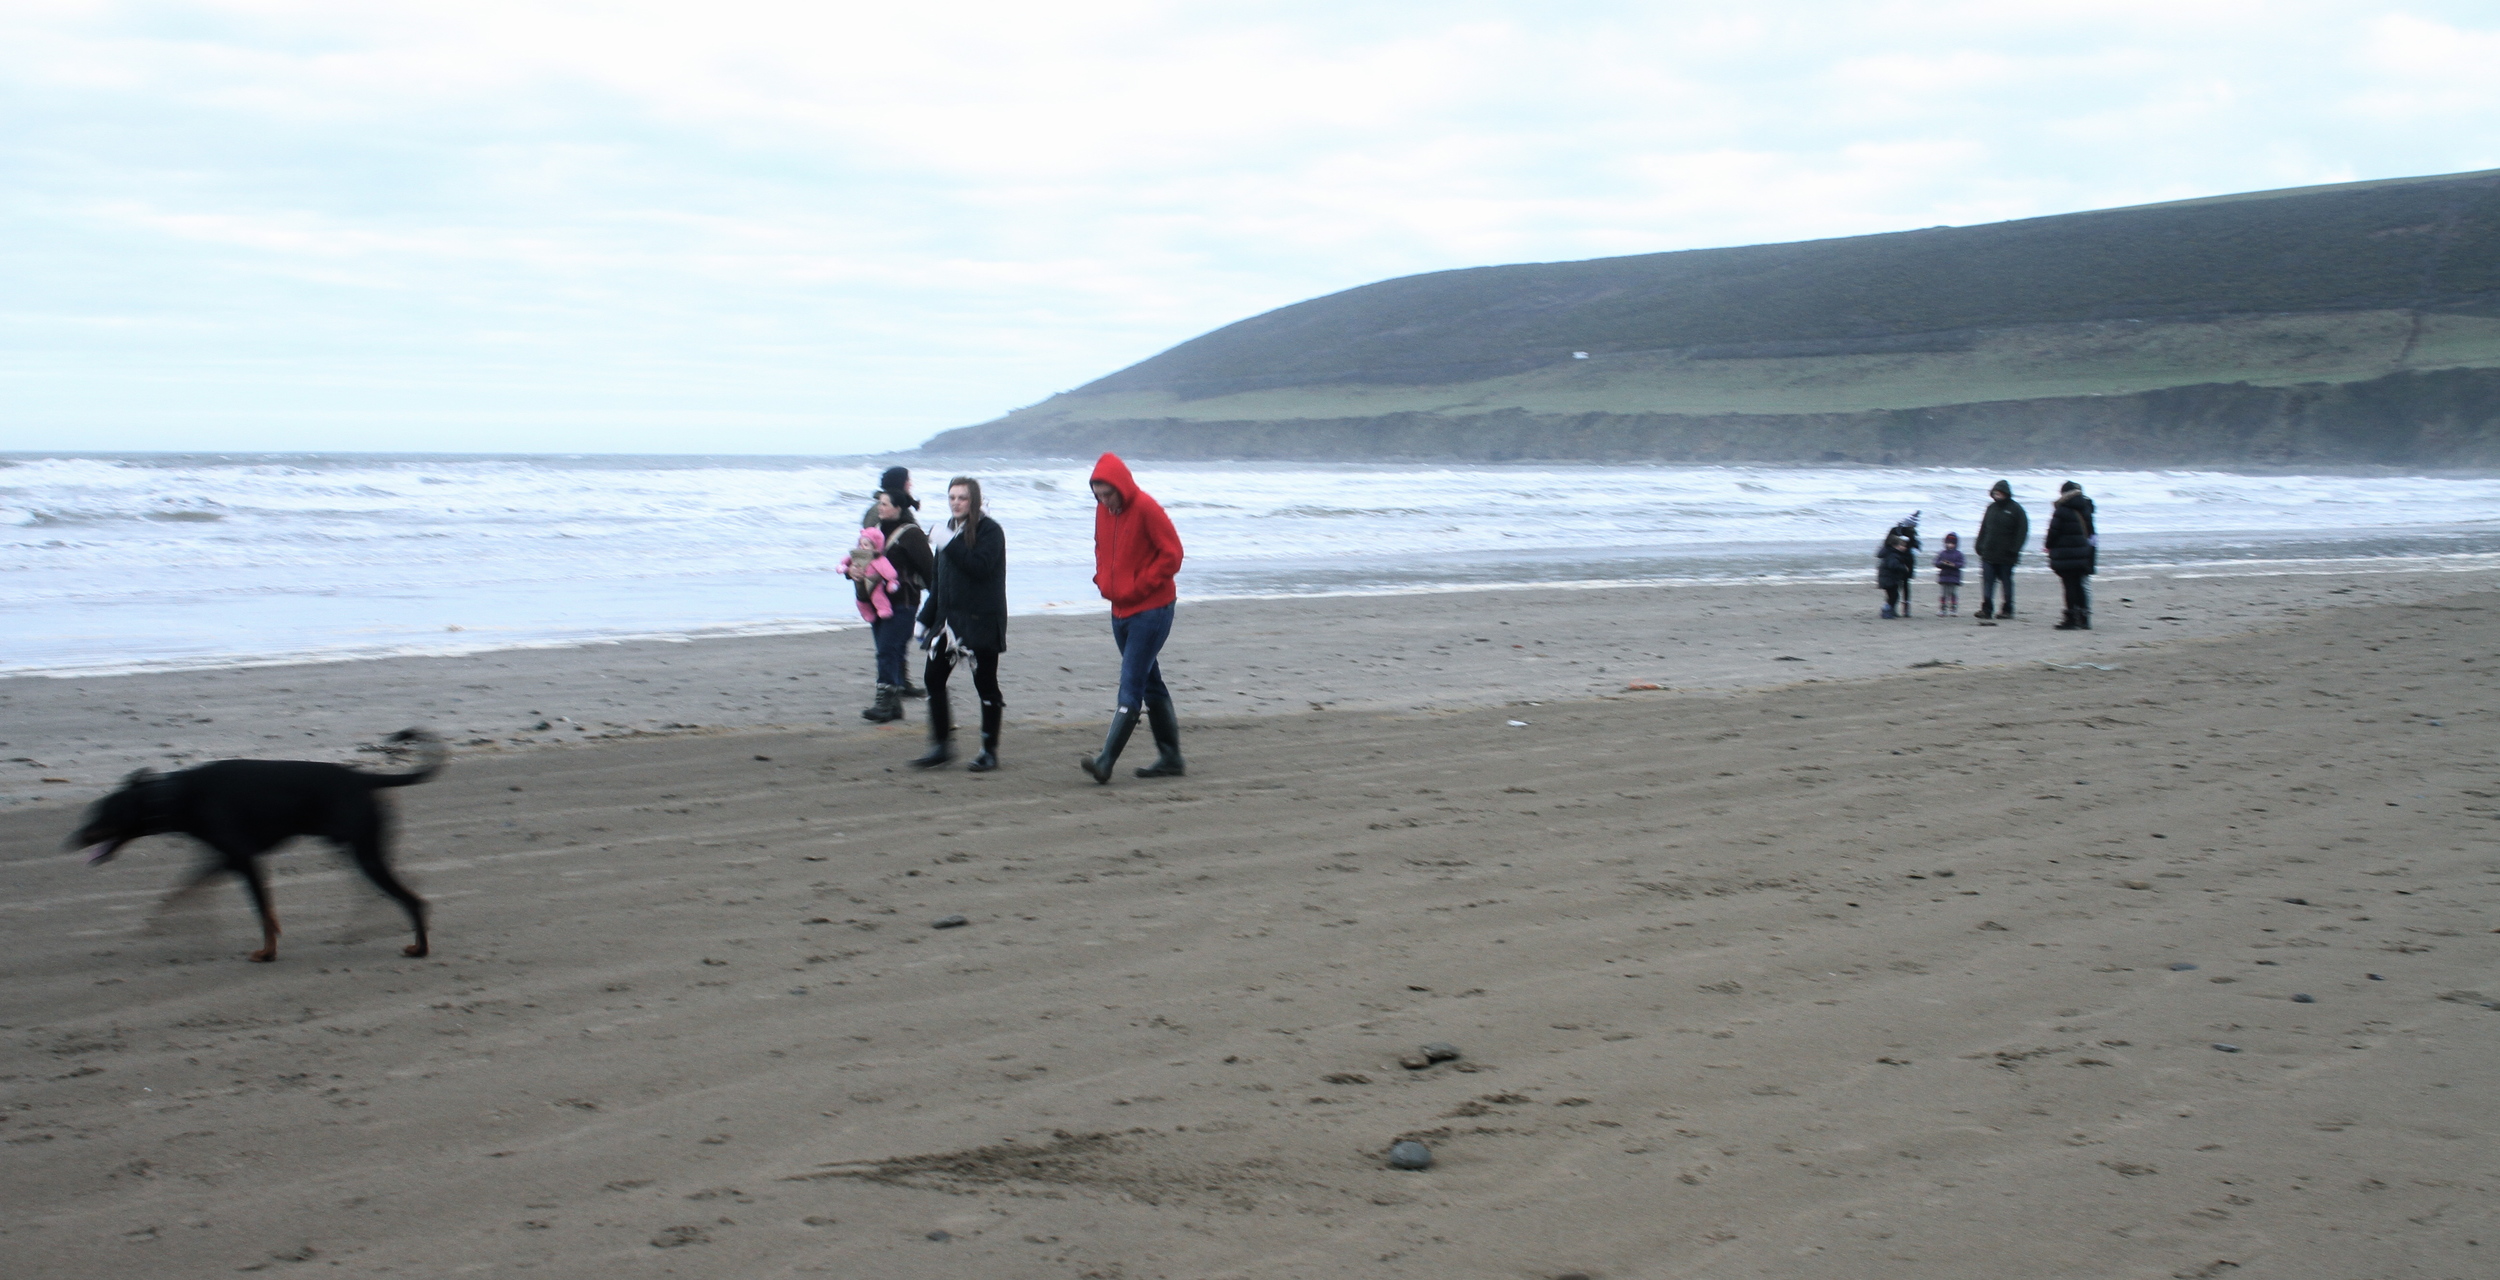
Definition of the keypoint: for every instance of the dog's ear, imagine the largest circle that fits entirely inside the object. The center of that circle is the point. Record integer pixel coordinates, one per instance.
(142, 774)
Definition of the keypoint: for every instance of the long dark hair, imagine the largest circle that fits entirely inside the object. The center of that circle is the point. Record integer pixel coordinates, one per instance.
(972, 516)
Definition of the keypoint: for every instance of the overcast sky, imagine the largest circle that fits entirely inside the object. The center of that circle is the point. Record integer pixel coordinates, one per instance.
(835, 227)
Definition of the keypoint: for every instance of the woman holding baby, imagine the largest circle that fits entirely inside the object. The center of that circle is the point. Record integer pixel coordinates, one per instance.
(889, 566)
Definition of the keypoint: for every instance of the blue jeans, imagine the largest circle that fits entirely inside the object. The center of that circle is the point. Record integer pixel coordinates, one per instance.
(893, 637)
(1989, 576)
(1140, 637)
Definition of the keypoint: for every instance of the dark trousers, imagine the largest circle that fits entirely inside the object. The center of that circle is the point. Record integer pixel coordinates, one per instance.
(1893, 593)
(1140, 637)
(984, 682)
(2078, 600)
(893, 640)
(1990, 575)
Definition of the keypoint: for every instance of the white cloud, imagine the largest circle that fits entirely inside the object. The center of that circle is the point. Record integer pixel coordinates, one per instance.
(861, 223)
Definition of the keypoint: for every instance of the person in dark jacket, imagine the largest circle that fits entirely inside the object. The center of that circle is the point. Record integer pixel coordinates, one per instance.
(1892, 573)
(895, 485)
(907, 549)
(1136, 554)
(2003, 530)
(2073, 546)
(966, 619)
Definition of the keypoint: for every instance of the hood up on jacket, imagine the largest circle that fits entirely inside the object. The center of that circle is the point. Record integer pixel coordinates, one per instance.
(1137, 552)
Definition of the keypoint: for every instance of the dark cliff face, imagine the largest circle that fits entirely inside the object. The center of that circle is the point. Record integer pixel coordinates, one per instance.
(2418, 243)
(2442, 419)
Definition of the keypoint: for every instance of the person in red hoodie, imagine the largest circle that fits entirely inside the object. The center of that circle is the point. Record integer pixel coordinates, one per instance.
(1136, 554)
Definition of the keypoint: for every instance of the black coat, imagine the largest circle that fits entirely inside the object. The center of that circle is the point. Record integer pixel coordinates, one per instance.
(2070, 538)
(1893, 566)
(2002, 532)
(969, 592)
(907, 549)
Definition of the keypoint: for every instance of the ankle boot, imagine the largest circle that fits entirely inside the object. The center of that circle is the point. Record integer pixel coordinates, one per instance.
(1165, 725)
(2066, 623)
(1098, 767)
(2083, 618)
(909, 690)
(991, 714)
(888, 707)
(941, 733)
(1986, 611)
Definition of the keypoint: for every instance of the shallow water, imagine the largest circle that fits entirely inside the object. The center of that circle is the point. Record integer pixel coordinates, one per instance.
(126, 562)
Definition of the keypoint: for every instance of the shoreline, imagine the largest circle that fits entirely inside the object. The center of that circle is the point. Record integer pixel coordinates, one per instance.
(1409, 652)
(2322, 566)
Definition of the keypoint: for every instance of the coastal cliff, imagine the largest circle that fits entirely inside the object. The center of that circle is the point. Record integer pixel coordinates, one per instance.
(2348, 325)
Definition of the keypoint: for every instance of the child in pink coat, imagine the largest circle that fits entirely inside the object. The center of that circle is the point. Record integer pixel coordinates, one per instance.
(872, 575)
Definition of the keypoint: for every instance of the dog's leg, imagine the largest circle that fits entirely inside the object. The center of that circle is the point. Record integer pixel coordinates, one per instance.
(254, 881)
(367, 848)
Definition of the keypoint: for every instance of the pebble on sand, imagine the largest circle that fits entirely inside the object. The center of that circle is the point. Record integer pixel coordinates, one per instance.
(2228, 1048)
(2181, 966)
(1441, 1051)
(1409, 1155)
(949, 922)
(2304, 998)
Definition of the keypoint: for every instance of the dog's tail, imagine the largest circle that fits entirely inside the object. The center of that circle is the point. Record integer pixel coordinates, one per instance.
(428, 749)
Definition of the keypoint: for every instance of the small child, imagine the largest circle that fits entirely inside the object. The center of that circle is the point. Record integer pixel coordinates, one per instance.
(872, 575)
(1892, 573)
(1949, 577)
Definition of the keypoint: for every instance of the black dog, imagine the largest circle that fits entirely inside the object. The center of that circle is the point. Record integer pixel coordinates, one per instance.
(242, 809)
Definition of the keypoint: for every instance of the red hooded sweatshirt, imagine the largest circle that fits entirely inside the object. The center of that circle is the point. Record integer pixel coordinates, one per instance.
(1137, 551)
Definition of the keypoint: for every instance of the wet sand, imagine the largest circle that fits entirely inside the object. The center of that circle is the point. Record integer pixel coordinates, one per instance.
(1851, 965)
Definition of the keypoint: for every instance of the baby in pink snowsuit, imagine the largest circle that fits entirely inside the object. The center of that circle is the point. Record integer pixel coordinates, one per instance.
(872, 575)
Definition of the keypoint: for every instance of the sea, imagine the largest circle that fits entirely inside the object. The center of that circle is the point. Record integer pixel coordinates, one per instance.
(113, 563)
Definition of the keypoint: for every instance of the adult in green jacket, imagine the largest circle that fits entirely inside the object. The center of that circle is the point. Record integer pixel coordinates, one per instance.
(2002, 532)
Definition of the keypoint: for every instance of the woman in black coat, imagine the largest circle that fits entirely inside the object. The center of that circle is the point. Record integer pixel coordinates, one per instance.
(2074, 550)
(966, 618)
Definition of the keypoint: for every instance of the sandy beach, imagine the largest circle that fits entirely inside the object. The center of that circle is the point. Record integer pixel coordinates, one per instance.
(1860, 948)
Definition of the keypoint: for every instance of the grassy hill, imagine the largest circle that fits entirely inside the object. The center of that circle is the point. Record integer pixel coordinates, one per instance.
(2343, 324)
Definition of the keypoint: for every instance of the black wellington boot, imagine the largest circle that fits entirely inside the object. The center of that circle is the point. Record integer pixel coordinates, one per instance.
(2083, 618)
(888, 707)
(1165, 725)
(1986, 611)
(941, 733)
(991, 714)
(2067, 623)
(1098, 767)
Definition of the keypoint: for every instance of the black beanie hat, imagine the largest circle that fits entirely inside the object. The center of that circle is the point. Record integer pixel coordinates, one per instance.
(896, 484)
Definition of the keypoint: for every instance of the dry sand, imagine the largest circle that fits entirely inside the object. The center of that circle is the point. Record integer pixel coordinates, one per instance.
(1833, 967)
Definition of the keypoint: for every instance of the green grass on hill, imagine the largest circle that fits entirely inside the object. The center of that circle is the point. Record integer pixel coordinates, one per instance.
(2108, 358)
(2431, 243)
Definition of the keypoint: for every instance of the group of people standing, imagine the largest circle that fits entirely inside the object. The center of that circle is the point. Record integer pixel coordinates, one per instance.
(947, 585)
(2071, 543)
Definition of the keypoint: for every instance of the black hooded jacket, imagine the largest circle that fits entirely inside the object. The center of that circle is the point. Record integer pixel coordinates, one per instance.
(2070, 538)
(2002, 532)
(969, 591)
